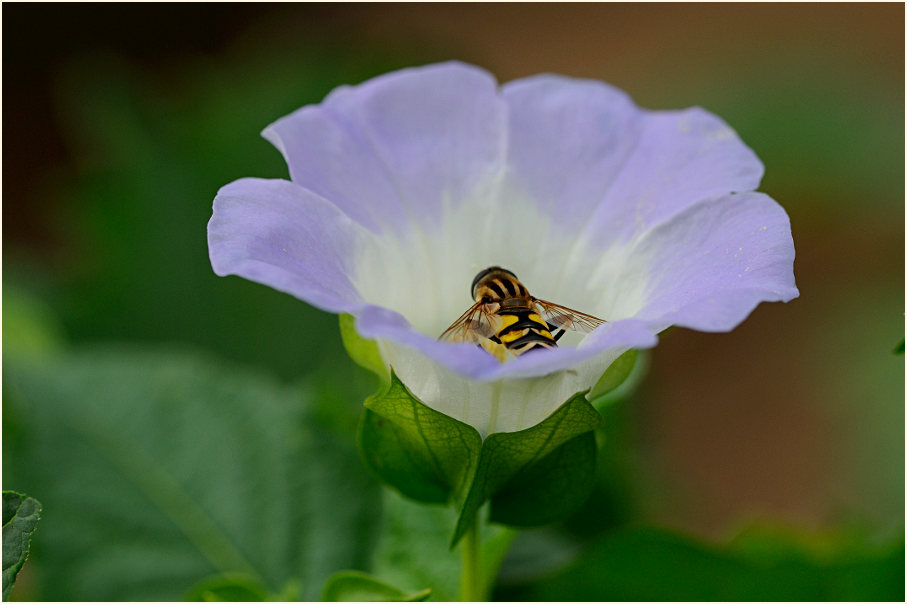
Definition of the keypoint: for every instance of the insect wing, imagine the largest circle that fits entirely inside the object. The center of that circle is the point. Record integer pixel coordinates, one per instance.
(562, 317)
(473, 326)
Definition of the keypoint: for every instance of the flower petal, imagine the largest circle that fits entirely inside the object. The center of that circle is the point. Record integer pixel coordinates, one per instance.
(474, 363)
(408, 184)
(569, 140)
(394, 150)
(711, 264)
(590, 156)
(503, 397)
(681, 157)
(277, 233)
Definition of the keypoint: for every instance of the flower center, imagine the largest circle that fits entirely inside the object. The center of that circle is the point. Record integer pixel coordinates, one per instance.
(424, 272)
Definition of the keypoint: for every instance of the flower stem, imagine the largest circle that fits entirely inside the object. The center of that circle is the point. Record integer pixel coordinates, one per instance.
(471, 589)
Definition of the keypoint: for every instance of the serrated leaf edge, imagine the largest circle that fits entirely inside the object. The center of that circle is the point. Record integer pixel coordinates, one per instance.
(10, 572)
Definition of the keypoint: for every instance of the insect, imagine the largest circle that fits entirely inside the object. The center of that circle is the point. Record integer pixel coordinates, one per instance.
(507, 318)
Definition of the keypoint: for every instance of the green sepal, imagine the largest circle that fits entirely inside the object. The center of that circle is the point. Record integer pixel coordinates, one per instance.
(20, 517)
(228, 587)
(532, 477)
(355, 586)
(423, 453)
(616, 374)
(517, 462)
(363, 352)
(551, 489)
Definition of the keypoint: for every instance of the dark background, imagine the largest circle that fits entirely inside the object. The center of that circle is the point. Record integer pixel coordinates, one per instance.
(120, 122)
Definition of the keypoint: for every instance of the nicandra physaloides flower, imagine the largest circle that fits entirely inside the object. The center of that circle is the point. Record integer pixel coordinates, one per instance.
(404, 187)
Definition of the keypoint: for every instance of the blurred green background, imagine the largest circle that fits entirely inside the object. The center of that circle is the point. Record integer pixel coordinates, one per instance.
(143, 395)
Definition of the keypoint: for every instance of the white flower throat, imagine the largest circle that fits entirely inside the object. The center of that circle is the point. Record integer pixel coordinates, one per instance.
(424, 272)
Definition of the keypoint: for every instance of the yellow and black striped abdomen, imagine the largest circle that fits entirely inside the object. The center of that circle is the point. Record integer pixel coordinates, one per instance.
(522, 330)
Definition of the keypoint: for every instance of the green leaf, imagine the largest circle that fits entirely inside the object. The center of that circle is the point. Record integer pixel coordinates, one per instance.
(615, 375)
(169, 467)
(647, 564)
(364, 352)
(513, 458)
(20, 517)
(537, 553)
(424, 454)
(228, 587)
(352, 586)
(413, 548)
(30, 329)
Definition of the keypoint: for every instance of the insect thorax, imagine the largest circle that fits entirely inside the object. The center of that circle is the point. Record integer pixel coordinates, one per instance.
(495, 284)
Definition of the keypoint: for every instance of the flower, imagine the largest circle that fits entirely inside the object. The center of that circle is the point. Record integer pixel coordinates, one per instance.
(404, 187)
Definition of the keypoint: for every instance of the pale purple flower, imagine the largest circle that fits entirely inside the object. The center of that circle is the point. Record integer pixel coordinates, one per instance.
(404, 187)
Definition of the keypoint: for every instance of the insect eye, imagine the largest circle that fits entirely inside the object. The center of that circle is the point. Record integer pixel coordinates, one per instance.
(486, 300)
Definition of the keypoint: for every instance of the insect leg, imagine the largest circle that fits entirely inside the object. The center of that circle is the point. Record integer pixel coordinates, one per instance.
(552, 327)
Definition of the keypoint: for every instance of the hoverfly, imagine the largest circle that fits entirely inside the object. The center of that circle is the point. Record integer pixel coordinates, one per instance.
(506, 317)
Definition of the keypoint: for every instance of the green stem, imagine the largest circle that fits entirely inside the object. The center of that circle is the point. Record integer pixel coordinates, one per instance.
(471, 588)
